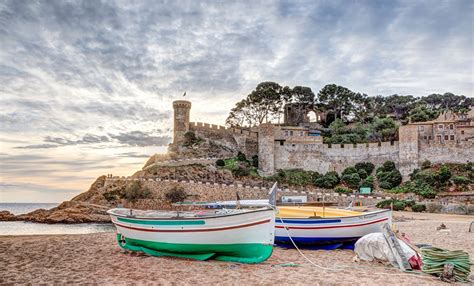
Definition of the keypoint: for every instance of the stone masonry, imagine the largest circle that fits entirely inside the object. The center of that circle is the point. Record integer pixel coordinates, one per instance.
(286, 147)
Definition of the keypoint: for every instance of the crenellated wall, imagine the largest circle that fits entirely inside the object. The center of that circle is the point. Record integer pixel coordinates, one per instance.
(407, 153)
(323, 157)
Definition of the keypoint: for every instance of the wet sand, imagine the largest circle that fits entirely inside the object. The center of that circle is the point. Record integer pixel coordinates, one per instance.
(96, 258)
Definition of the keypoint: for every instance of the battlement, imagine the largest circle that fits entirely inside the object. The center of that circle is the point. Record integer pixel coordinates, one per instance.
(201, 126)
(181, 103)
(361, 146)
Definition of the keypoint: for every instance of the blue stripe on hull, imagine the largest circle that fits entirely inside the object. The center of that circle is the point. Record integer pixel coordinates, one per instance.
(327, 243)
(313, 240)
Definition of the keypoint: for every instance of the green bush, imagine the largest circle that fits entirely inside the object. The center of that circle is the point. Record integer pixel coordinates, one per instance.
(348, 171)
(444, 174)
(388, 166)
(241, 157)
(241, 171)
(295, 177)
(362, 173)
(418, 208)
(423, 189)
(135, 191)
(368, 182)
(342, 190)
(367, 166)
(351, 180)
(461, 180)
(328, 181)
(398, 205)
(389, 179)
(220, 163)
(426, 164)
(176, 194)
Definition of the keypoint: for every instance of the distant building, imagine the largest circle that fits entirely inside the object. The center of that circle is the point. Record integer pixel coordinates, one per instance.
(448, 128)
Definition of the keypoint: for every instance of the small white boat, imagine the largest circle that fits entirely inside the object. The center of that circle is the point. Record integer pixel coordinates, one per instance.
(307, 226)
(244, 236)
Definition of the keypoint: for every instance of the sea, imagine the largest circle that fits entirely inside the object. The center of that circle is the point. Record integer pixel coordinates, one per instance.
(31, 228)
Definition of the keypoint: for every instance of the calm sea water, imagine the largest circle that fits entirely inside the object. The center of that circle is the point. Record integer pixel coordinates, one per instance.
(23, 208)
(29, 228)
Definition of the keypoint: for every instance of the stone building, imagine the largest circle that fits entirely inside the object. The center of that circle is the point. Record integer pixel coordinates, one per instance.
(448, 139)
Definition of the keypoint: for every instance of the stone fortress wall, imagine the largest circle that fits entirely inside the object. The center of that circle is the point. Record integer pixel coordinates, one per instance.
(407, 153)
(278, 148)
(208, 191)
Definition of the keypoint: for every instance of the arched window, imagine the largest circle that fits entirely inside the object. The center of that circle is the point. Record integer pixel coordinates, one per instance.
(312, 116)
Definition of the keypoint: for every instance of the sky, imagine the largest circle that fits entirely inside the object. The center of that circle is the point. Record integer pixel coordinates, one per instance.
(86, 86)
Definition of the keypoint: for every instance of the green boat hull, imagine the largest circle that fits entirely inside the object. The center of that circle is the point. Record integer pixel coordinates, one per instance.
(242, 253)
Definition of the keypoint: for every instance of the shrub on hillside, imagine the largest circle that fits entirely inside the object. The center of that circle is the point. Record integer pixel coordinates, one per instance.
(220, 163)
(418, 208)
(444, 174)
(367, 166)
(241, 171)
(342, 190)
(389, 166)
(296, 177)
(389, 179)
(426, 164)
(328, 181)
(398, 205)
(348, 171)
(136, 191)
(362, 173)
(368, 182)
(461, 180)
(351, 180)
(176, 194)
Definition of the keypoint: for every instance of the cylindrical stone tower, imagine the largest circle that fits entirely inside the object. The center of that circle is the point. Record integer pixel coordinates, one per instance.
(181, 119)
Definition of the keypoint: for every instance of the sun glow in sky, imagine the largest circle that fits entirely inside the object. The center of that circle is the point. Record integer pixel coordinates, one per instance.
(86, 86)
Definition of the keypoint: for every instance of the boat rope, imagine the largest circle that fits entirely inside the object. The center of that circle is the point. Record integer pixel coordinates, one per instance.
(404, 273)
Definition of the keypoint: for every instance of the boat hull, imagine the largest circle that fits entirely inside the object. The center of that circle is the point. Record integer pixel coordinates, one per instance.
(332, 232)
(244, 238)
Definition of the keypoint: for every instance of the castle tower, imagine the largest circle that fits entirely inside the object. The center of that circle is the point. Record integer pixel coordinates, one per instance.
(266, 149)
(181, 119)
(408, 149)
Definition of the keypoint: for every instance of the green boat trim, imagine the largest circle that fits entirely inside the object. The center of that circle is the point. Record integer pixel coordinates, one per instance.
(162, 222)
(250, 253)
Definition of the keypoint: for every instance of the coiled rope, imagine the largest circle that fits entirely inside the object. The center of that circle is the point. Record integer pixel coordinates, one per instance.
(435, 259)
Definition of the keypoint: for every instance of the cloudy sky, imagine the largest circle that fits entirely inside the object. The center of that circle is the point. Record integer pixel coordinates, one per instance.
(86, 86)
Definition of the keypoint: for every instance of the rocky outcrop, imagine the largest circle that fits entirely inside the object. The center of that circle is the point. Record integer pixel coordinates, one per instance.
(69, 212)
(89, 206)
(7, 216)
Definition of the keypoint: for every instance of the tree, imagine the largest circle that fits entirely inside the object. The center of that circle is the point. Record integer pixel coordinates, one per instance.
(383, 129)
(262, 104)
(338, 100)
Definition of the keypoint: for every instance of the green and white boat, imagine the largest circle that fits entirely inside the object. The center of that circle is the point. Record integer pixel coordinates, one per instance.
(237, 235)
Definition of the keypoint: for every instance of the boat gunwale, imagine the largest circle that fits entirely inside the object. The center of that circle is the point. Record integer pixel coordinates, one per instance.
(277, 218)
(188, 218)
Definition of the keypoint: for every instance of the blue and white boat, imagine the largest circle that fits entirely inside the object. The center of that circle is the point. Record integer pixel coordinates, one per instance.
(326, 228)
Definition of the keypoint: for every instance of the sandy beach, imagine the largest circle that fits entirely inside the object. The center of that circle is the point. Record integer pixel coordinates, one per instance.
(96, 258)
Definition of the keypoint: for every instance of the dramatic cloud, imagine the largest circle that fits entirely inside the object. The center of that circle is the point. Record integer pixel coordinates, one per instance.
(94, 78)
(138, 138)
